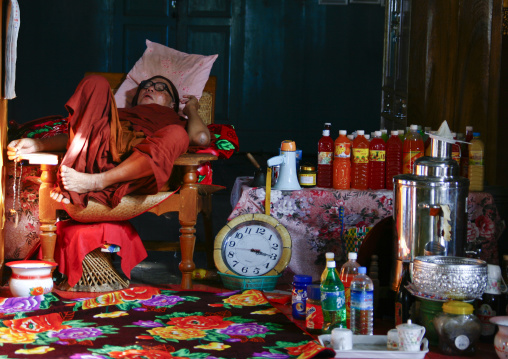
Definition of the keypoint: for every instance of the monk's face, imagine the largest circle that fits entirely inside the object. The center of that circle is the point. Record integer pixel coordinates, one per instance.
(154, 91)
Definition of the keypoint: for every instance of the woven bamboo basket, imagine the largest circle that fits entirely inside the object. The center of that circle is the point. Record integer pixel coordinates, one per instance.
(99, 275)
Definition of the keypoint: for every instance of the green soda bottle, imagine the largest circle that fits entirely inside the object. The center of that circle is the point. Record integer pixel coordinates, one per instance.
(333, 300)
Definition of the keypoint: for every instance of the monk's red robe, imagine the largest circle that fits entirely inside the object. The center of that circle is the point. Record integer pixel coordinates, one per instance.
(99, 134)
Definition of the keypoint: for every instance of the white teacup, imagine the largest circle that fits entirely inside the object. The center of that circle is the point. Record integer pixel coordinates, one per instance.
(392, 342)
(410, 336)
(342, 339)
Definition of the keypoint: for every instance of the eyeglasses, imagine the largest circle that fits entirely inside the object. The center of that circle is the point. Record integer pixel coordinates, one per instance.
(158, 86)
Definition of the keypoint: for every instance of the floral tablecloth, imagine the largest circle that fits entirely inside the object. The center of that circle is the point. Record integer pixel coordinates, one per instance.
(322, 220)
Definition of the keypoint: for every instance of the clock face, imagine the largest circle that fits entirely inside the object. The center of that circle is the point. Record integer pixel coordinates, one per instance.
(250, 246)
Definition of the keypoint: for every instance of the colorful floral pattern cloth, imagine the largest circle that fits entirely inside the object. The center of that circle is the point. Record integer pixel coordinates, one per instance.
(324, 220)
(146, 322)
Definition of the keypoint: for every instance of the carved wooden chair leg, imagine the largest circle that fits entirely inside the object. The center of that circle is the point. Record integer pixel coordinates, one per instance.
(47, 212)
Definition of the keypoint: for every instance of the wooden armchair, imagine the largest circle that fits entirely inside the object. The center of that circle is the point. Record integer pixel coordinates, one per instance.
(189, 200)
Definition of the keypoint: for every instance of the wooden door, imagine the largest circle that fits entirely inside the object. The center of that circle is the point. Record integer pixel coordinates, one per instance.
(191, 26)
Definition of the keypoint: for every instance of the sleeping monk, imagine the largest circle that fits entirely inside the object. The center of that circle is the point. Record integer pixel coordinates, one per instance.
(112, 152)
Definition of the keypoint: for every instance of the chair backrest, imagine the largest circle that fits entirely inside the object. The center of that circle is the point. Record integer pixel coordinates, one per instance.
(206, 102)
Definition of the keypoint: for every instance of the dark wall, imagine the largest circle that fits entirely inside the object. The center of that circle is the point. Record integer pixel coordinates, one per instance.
(58, 42)
(302, 64)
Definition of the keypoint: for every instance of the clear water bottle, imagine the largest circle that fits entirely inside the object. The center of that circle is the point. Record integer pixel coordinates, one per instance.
(362, 303)
(333, 300)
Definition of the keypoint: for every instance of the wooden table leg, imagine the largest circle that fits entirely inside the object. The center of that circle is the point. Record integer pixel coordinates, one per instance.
(47, 212)
(188, 218)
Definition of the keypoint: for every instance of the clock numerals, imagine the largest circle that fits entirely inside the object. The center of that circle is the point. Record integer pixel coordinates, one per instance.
(248, 230)
(231, 254)
(273, 256)
(238, 235)
(261, 231)
(256, 271)
(231, 243)
(235, 262)
(275, 246)
(245, 270)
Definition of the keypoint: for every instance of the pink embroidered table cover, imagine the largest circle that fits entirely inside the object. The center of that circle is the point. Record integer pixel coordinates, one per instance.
(322, 220)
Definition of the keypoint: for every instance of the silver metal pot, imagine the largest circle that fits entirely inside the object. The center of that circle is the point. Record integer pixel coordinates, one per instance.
(430, 209)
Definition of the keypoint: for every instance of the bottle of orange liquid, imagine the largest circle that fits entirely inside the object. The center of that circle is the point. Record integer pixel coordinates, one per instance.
(325, 159)
(393, 158)
(342, 162)
(360, 162)
(413, 149)
(377, 162)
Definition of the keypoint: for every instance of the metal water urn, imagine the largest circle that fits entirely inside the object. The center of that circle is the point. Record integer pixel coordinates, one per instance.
(430, 208)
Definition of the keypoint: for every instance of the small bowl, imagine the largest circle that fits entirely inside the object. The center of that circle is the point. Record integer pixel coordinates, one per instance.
(450, 277)
(31, 277)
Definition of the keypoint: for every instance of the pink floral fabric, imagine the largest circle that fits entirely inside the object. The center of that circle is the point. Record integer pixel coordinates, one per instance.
(326, 220)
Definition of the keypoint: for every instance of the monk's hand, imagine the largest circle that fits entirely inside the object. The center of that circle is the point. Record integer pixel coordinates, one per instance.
(191, 104)
(22, 146)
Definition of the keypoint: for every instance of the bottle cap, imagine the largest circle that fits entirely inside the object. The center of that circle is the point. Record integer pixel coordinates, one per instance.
(330, 264)
(352, 255)
(343, 132)
(456, 307)
(307, 167)
(384, 130)
(362, 270)
(326, 132)
(360, 132)
(288, 146)
(377, 133)
(314, 292)
(476, 134)
(300, 278)
(367, 136)
(328, 124)
(469, 128)
(413, 127)
(329, 255)
(394, 132)
(401, 132)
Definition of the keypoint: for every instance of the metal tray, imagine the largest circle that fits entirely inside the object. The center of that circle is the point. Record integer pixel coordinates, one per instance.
(374, 346)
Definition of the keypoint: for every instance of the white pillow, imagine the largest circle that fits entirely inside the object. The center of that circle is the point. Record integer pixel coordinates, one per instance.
(188, 72)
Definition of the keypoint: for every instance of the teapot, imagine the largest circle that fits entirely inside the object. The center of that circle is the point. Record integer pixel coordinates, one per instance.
(410, 336)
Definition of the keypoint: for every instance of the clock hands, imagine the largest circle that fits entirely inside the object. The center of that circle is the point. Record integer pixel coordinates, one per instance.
(258, 252)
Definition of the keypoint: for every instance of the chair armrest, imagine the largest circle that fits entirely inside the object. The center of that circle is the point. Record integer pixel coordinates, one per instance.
(194, 159)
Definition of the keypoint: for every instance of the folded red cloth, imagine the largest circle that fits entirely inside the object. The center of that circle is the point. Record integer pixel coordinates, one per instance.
(76, 240)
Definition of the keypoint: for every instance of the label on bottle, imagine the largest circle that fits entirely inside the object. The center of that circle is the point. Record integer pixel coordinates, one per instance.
(343, 150)
(298, 299)
(325, 158)
(476, 158)
(462, 342)
(456, 156)
(362, 299)
(307, 179)
(377, 155)
(409, 160)
(360, 155)
(314, 316)
(333, 300)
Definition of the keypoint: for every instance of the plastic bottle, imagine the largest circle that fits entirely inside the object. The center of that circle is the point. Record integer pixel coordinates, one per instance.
(325, 159)
(464, 154)
(362, 303)
(401, 135)
(360, 162)
(384, 135)
(455, 149)
(377, 162)
(413, 149)
(333, 301)
(342, 162)
(314, 312)
(404, 300)
(347, 272)
(393, 158)
(299, 295)
(330, 257)
(476, 162)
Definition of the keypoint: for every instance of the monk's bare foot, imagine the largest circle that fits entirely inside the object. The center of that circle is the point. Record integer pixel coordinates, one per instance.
(57, 195)
(80, 182)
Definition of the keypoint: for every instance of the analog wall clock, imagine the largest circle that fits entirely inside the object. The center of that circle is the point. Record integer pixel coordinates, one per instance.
(252, 245)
